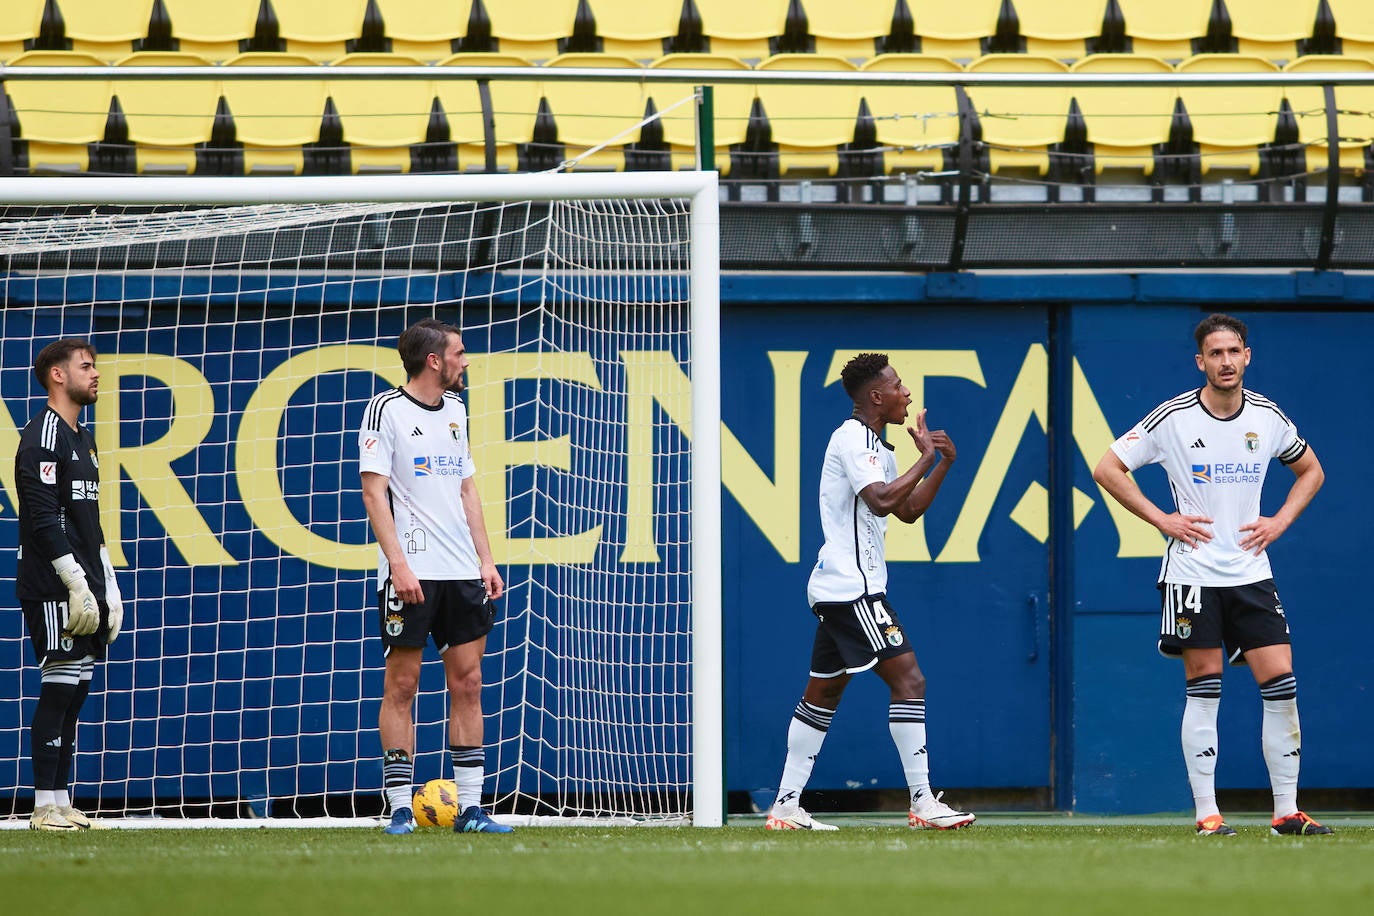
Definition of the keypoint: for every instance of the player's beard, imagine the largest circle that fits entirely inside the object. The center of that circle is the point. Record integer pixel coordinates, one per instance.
(81, 395)
(458, 385)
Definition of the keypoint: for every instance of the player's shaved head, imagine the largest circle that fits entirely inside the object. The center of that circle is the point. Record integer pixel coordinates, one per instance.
(1218, 322)
(861, 372)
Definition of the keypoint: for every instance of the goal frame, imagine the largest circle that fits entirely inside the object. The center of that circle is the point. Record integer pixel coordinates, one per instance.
(701, 188)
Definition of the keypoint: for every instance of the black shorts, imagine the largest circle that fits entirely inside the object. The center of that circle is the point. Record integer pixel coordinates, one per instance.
(52, 643)
(1237, 618)
(453, 612)
(855, 636)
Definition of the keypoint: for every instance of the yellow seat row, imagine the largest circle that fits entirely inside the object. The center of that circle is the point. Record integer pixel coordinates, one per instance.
(382, 119)
(532, 29)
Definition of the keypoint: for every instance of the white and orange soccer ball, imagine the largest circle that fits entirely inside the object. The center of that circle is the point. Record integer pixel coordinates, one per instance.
(436, 804)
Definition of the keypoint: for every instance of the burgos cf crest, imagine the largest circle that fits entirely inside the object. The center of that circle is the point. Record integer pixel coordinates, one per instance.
(894, 636)
(1252, 442)
(1183, 626)
(394, 624)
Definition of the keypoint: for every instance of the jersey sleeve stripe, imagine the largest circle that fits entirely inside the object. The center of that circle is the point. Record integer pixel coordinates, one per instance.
(1260, 400)
(49, 437)
(372, 419)
(1157, 416)
(1294, 452)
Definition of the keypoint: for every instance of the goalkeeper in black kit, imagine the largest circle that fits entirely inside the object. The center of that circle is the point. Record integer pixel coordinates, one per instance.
(65, 581)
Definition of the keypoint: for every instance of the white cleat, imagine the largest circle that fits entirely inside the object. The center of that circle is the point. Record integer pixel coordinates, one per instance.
(80, 820)
(793, 818)
(931, 813)
(49, 817)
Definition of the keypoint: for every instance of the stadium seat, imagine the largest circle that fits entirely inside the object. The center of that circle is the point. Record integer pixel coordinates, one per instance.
(740, 29)
(913, 122)
(1124, 124)
(212, 30)
(730, 101)
(18, 24)
(275, 118)
(1354, 26)
(1020, 122)
(319, 31)
(1165, 28)
(423, 29)
(634, 28)
(1272, 30)
(954, 30)
(591, 113)
(530, 29)
(514, 105)
(1230, 122)
(167, 117)
(1353, 104)
(105, 29)
(809, 122)
(846, 29)
(381, 118)
(1057, 29)
(59, 117)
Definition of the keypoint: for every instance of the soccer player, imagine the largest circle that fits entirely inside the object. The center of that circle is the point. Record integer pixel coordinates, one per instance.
(1217, 593)
(435, 577)
(857, 629)
(64, 579)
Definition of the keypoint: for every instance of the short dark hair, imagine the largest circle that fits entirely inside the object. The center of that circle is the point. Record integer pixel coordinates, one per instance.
(860, 372)
(1219, 322)
(421, 339)
(59, 351)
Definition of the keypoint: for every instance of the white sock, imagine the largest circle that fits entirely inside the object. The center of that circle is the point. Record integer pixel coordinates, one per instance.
(398, 776)
(44, 797)
(1199, 739)
(61, 799)
(469, 771)
(805, 735)
(906, 720)
(1281, 739)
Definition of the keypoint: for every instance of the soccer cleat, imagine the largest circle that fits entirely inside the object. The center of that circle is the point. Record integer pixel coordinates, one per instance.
(1298, 824)
(402, 821)
(791, 817)
(475, 820)
(931, 813)
(1214, 825)
(49, 817)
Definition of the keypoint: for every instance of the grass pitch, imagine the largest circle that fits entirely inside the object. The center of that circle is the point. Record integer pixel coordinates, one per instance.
(998, 866)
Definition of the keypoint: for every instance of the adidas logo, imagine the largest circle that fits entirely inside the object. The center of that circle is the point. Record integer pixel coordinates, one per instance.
(417, 431)
(1295, 752)
(1210, 752)
(1198, 444)
(74, 458)
(56, 742)
(919, 753)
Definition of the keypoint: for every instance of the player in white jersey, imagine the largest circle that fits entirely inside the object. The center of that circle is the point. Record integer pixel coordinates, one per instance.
(435, 573)
(857, 629)
(1218, 599)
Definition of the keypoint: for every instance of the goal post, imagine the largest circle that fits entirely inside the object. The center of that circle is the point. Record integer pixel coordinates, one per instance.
(242, 323)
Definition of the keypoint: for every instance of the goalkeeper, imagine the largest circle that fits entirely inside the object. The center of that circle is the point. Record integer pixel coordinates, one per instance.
(64, 580)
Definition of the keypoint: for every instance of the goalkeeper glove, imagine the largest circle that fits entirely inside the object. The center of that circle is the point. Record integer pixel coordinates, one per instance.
(83, 614)
(113, 600)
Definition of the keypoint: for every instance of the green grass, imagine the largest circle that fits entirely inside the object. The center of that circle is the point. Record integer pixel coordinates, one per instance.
(1006, 866)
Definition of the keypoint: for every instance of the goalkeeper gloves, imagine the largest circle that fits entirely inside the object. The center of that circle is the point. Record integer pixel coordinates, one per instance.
(113, 600)
(83, 614)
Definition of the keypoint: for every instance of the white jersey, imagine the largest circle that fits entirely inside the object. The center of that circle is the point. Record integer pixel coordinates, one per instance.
(423, 451)
(852, 561)
(1216, 468)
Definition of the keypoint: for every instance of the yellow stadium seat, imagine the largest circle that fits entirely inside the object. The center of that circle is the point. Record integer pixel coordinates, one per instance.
(1057, 29)
(633, 28)
(275, 118)
(1165, 28)
(954, 30)
(531, 28)
(1271, 30)
(589, 114)
(214, 29)
(1354, 26)
(846, 29)
(167, 117)
(1124, 124)
(1353, 104)
(730, 101)
(742, 29)
(59, 117)
(424, 29)
(913, 122)
(105, 29)
(809, 122)
(319, 29)
(514, 106)
(1230, 122)
(382, 118)
(1020, 122)
(18, 24)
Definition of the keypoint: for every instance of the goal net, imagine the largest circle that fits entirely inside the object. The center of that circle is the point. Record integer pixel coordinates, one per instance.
(242, 325)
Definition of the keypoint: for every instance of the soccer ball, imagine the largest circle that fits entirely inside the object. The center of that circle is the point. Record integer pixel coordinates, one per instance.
(436, 804)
